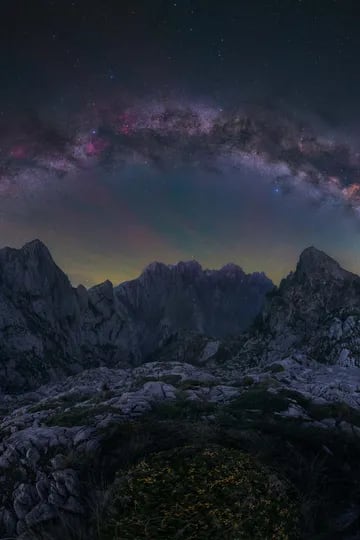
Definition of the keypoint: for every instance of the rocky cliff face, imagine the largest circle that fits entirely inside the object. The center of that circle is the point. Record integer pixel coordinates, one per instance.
(166, 299)
(39, 316)
(315, 311)
(48, 328)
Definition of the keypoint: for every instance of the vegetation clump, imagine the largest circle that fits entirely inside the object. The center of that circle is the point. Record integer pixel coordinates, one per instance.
(191, 493)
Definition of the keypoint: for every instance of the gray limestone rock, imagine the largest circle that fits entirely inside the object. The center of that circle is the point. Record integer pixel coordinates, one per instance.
(40, 514)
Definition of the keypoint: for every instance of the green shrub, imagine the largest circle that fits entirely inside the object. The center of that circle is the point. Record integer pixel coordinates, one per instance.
(192, 493)
(78, 416)
(62, 401)
(338, 410)
(182, 409)
(194, 383)
(248, 380)
(276, 368)
(259, 398)
(171, 379)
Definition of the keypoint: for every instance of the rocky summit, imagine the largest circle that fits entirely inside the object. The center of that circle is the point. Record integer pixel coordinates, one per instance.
(102, 386)
(315, 311)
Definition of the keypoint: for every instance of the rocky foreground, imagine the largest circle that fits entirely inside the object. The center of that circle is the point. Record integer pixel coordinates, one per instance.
(287, 391)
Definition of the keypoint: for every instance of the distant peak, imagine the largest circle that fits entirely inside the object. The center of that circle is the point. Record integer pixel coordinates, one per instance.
(191, 264)
(155, 266)
(231, 269)
(231, 266)
(181, 266)
(105, 289)
(104, 284)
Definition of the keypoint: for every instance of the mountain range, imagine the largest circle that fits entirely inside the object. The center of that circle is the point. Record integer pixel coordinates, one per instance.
(49, 328)
(96, 380)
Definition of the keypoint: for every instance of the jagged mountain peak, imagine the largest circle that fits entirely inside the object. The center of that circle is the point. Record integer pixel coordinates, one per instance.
(107, 284)
(30, 266)
(191, 265)
(300, 314)
(314, 262)
(104, 289)
(232, 269)
(35, 249)
(155, 266)
(181, 266)
(35, 245)
(193, 269)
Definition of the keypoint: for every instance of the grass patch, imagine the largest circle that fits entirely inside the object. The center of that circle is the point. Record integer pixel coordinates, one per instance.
(78, 416)
(193, 383)
(293, 395)
(275, 368)
(193, 493)
(261, 399)
(172, 379)
(182, 409)
(66, 400)
(339, 411)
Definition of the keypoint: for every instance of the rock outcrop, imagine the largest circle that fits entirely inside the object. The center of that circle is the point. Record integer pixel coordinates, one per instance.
(39, 317)
(315, 311)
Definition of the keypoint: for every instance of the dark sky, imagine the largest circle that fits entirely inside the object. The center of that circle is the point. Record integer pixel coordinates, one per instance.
(224, 131)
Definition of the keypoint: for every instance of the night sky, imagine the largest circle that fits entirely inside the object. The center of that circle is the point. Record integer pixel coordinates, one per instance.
(170, 130)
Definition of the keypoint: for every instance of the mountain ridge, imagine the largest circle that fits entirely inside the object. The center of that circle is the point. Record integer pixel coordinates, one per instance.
(49, 327)
(56, 325)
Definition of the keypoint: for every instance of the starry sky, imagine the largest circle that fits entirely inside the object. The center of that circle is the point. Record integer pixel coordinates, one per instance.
(136, 131)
